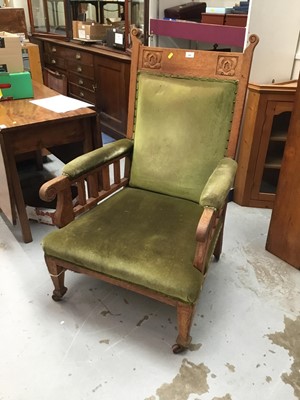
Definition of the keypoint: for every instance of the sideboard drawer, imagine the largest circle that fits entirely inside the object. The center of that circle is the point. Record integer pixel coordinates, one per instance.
(81, 57)
(55, 50)
(81, 93)
(81, 69)
(54, 61)
(82, 81)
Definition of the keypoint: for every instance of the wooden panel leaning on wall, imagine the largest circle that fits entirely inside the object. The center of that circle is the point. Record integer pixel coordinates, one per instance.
(284, 230)
(13, 20)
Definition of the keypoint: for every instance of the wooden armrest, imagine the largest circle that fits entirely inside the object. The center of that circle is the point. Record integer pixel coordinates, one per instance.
(208, 229)
(92, 179)
(60, 188)
(205, 224)
(49, 190)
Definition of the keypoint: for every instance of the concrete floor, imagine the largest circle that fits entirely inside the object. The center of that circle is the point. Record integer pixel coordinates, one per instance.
(106, 343)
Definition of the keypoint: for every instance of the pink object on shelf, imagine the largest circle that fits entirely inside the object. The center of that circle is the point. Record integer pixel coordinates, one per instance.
(221, 34)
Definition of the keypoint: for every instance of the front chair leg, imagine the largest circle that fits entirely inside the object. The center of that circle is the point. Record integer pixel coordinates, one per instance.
(57, 274)
(185, 314)
(219, 245)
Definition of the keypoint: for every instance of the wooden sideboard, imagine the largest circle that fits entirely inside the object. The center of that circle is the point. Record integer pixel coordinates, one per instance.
(263, 138)
(95, 75)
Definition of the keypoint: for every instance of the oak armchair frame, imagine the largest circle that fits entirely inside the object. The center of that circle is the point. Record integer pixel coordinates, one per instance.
(105, 178)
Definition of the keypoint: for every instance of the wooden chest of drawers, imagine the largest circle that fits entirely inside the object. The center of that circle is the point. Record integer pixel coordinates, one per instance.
(81, 74)
(98, 77)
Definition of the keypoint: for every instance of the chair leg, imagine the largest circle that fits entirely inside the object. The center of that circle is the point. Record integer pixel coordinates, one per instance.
(219, 245)
(57, 274)
(185, 314)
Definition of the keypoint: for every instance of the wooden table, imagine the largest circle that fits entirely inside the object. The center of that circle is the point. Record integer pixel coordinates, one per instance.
(29, 128)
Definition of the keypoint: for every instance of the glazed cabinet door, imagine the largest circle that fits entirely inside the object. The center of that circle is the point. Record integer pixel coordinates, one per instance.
(262, 144)
(112, 81)
(271, 149)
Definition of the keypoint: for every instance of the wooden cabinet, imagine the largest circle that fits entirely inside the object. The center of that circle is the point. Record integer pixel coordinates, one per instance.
(96, 76)
(263, 139)
(112, 82)
(54, 18)
(81, 75)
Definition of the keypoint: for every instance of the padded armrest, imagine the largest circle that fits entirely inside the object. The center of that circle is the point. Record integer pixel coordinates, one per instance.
(85, 163)
(219, 183)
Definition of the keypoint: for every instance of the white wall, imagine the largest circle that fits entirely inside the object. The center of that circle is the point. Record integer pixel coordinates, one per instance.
(278, 28)
(296, 68)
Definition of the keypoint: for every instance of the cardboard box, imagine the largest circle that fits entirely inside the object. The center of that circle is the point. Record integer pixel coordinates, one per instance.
(20, 85)
(42, 215)
(10, 53)
(236, 20)
(218, 10)
(84, 30)
(213, 18)
(34, 61)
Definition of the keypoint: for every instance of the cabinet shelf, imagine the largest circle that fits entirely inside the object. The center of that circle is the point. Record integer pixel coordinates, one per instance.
(221, 34)
(279, 136)
(273, 163)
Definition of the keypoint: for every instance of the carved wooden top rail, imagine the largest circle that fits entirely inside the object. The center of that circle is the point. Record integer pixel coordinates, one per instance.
(210, 64)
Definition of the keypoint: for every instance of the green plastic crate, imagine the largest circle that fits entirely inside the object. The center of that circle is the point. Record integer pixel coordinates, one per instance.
(21, 85)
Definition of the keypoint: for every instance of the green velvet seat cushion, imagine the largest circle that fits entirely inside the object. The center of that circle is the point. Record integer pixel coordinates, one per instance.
(181, 131)
(137, 236)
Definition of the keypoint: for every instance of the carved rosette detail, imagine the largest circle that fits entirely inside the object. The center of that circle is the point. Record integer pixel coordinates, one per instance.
(227, 65)
(152, 59)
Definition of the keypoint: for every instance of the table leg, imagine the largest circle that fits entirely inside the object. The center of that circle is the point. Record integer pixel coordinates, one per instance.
(18, 194)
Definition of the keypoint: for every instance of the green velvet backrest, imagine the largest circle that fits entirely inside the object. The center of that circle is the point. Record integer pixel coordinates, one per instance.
(181, 131)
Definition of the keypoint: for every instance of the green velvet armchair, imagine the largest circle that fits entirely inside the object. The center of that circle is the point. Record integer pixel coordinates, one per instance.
(150, 208)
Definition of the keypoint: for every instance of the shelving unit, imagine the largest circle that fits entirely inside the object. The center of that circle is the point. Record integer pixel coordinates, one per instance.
(264, 134)
(54, 18)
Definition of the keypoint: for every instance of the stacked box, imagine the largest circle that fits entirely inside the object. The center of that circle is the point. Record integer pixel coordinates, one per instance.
(89, 30)
(236, 20)
(213, 18)
(14, 82)
(10, 53)
(218, 10)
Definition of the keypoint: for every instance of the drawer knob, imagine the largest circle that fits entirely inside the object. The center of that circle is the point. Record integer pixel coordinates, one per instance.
(53, 61)
(80, 82)
(81, 94)
(53, 49)
(78, 56)
(79, 69)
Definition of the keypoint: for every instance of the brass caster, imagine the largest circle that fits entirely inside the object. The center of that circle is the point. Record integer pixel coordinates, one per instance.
(177, 348)
(58, 295)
